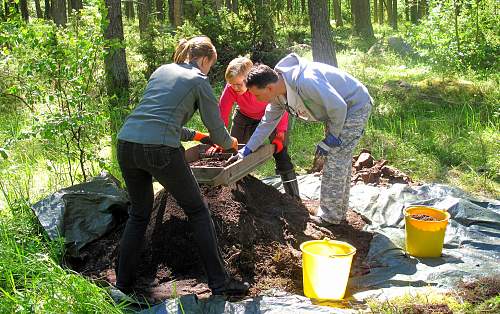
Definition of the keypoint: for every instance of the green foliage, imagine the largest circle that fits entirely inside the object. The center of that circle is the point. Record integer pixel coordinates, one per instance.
(470, 42)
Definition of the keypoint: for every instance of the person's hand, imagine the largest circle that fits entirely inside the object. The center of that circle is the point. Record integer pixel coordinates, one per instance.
(203, 138)
(234, 144)
(278, 141)
(325, 145)
(242, 153)
(214, 149)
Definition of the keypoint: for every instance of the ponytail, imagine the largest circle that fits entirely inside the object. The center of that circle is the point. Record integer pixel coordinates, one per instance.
(194, 48)
(181, 51)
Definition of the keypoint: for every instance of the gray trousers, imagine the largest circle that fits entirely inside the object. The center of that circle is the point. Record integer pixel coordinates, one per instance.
(336, 180)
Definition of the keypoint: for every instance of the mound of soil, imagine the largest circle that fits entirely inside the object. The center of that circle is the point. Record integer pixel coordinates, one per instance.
(479, 290)
(366, 170)
(259, 232)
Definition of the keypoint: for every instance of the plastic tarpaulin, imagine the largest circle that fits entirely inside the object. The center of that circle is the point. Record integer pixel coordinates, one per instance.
(83, 212)
(276, 303)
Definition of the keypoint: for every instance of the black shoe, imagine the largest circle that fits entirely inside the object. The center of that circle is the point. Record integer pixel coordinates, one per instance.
(232, 287)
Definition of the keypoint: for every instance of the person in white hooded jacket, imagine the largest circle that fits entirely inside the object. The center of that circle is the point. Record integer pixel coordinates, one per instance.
(314, 91)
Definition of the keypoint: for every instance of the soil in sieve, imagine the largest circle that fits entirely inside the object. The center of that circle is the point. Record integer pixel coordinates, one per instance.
(259, 231)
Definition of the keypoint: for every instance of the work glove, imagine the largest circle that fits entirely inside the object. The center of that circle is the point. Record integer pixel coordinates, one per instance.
(215, 149)
(325, 145)
(278, 141)
(203, 138)
(242, 153)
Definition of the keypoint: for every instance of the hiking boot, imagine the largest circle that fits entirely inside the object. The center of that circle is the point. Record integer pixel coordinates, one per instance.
(321, 222)
(232, 287)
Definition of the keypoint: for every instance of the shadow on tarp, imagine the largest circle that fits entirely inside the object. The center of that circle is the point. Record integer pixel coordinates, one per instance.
(262, 304)
(83, 212)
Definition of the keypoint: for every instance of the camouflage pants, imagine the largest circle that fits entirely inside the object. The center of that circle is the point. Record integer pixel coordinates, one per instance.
(336, 180)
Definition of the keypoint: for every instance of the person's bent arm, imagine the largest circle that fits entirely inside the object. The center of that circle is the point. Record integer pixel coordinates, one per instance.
(266, 126)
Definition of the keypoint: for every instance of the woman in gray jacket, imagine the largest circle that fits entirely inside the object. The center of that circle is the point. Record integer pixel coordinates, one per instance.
(149, 146)
(314, 91)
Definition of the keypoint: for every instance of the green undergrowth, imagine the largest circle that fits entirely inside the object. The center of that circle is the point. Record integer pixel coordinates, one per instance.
(31, 278)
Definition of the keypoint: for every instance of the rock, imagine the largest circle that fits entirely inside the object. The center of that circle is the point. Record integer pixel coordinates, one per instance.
(365, 160)
(400, 46)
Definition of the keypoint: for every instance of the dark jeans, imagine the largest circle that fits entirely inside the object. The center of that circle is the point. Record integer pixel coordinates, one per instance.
(243, 128)
(139, 163)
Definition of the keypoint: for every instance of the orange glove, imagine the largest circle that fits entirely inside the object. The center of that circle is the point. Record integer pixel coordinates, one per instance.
(234, 144)
(214, 149)
(278, 141)
(202, 138)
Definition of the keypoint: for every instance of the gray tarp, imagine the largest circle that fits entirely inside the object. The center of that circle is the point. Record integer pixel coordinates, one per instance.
(83, 212)
(472, 242)
(471, 249)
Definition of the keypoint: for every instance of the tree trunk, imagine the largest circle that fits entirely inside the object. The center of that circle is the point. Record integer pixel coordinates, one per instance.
(407, 10)
(229, 6)
(129, 9)
(47, 10)
(337, 11)
(143, 12)
(58, 11)
(422, 9)
(380, 11)
(388, 7)
(302, 6)
(76, 5)
(177, 12)
(362, 19)
(375, 11)
(160, 10)
(115, 64)
(235, 6)
(38, 8)
(394, 21)
(289, 5)
(413, 11)
(265, 25)
(24, 9)
(322, 40)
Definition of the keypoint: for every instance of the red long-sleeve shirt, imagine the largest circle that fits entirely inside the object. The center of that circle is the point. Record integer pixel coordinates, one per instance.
(248, 105)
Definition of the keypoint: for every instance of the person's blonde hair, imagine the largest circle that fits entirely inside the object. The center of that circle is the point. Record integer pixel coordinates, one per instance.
(238, 66)
(194, 48)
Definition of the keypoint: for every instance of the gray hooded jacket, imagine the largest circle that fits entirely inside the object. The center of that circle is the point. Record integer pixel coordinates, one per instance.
(173, 94)
(314, 92)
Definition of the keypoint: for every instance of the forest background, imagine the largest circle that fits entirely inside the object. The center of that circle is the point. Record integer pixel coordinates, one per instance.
(71, 71)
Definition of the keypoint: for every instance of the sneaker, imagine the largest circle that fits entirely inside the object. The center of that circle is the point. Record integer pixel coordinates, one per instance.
(232, 287)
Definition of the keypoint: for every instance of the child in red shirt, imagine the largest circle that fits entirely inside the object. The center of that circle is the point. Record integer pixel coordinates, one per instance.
(247, 116)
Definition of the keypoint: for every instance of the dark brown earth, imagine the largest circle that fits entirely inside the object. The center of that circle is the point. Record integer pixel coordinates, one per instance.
(423, 217)
(259, 231)
(367, 170)
(426, 309)
(479, 290)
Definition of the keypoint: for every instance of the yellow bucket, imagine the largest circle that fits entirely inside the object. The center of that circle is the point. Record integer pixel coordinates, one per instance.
(425, 238)
(325, 268)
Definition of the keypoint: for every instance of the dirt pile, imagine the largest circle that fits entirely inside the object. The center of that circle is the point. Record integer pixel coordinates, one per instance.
(367, 170)
(259, 231)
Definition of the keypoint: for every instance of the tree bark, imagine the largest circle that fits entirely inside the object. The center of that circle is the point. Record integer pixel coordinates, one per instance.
(47, 10)
(160, 10)
(388, 7)
(337, 12)
(129, 9)
(380, 10)
(236, 8)
(143, 12)
(24, 9)
(322, 40)
(58, 12)
(394, 21)
(413, 11)
(115, 63)
(422, 9)
(177, 12)
(375, 11)
(265, 25)
(38, 9)
(362, 19)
